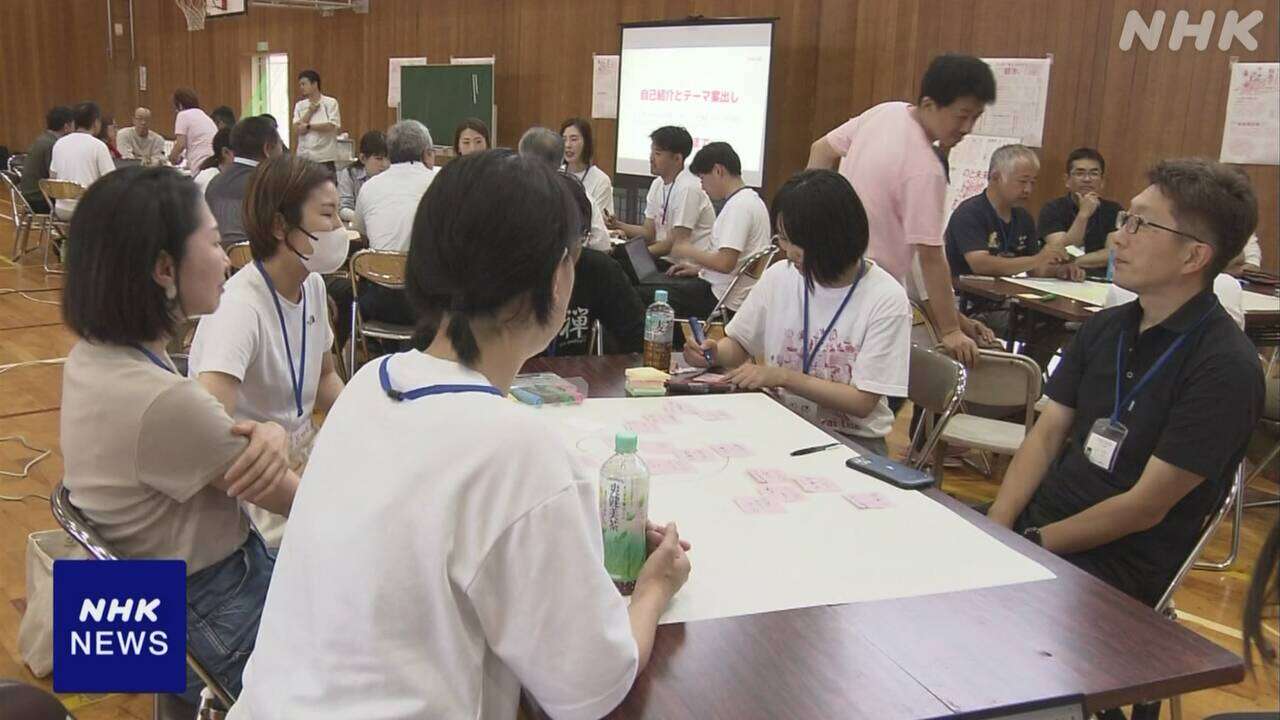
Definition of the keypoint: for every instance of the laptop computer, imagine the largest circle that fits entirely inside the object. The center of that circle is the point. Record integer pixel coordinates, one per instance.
(646, 268)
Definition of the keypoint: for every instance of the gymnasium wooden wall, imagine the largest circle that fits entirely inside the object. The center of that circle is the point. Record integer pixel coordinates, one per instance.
(833, 59)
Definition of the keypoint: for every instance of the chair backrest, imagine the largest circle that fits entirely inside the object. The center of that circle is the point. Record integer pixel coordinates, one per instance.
(20, 205)
(240, 254)
(379, 267)
(61, 189)
(935, 384)
(922, 330)
(16, 163)
(1229, 498)
(1004, 380)
(752, 266)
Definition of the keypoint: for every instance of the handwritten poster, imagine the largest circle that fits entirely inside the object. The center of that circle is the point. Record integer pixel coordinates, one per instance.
(1022, 92)
(604, 86)
(1252, 132)
(393, 77)
(969, 161)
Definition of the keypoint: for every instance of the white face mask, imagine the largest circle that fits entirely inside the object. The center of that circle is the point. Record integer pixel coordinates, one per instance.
(330, 251)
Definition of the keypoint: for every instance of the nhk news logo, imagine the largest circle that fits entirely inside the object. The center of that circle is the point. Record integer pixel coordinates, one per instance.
(119, 626)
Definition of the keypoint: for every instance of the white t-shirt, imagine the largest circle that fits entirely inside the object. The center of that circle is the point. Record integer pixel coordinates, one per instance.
(681, 204)
(387, 203)
(1253, 251)
(314, 145)
(442, 553)
(199, 130)
(80, 157)
(242, 338)
(203, 177)
(1225, 287)
(742, 225)
(869, 347)
(598, 186)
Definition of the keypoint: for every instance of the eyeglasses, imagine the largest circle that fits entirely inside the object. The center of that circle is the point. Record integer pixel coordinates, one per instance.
(1130, 223)
(1082, 174)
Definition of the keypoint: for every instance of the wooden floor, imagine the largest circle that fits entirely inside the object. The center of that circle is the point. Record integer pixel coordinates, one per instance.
(1210, 603)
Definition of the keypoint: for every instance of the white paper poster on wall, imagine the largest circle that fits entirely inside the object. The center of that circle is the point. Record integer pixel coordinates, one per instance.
(969, 161)
(1252, 132)
(604, 86)
(1022, 92)
(393, 77)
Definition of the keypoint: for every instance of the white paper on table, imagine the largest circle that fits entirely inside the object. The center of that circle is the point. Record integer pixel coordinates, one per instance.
(604, 86)
(1089, 292)
(1251, 134)
(1257, 302)
(393, 76)
(969, 161)
(1022, 93)
(821, 550)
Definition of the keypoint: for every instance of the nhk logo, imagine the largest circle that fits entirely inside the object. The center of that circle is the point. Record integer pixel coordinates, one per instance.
(1232, 30)
(119, 626)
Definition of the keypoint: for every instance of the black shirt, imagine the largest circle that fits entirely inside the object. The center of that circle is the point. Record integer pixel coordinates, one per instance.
(1197, 414)
(975, 226)
(1058, 214)
(36, 167)
(601, 291)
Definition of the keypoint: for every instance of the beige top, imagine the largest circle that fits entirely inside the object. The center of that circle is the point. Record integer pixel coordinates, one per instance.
(131, 145)
(141, 446)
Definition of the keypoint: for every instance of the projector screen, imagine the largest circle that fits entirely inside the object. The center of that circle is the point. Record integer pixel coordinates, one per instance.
(713, 79)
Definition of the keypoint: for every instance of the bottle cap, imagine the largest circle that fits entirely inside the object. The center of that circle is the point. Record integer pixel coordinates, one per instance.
(624, 442)
(660, 296)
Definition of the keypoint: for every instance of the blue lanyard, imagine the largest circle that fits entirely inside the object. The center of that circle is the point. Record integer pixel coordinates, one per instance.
(1151, 372)
(296, 378)
(154, 359)
(810, 356)
(424, 391)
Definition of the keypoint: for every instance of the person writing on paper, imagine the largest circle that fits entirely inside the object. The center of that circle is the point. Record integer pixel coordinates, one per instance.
(740, 230)
(832, 327)
(887, 153)
(471, 135)
(676, 208)
(154, 462)
(139, 142)
(499, 580)
(1082, 218)
(992, 233)
(265, 353)
(1153, 404)
(316, 119)
(579, 156)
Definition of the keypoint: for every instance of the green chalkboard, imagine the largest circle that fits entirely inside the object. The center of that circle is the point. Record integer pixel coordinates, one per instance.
(442, 96)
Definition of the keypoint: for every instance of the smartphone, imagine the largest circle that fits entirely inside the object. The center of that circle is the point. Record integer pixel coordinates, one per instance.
(890, 471)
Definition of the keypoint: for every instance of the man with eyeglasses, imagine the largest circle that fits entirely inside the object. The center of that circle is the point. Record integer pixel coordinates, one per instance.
(1154, 401)
(1082, 218)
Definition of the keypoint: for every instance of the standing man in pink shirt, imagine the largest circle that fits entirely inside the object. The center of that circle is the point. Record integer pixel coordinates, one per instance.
(887, 153)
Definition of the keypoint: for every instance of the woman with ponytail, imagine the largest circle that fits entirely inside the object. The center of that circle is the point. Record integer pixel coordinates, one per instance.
(444, 545)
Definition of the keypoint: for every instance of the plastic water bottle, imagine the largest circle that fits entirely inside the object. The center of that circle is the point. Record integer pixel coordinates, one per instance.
(624, 512)
(659, 324)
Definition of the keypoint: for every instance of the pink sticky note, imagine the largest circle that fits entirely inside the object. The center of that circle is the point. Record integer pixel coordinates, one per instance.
(697, 455)
(643, 426)
(665, 466)
(709, 378)
(868, 501)
(731, 450)
(767, 475)
(785, 492)
(656, 446)
(714, 415)
(759, 505)
(813, 484)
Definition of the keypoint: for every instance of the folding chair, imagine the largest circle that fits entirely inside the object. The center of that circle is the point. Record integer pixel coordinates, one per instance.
(936, 385)
(752, 266)
(1002, 381)
(240, 255)
(54, 190)
(25, 219)
(385, 269)
(79, 528)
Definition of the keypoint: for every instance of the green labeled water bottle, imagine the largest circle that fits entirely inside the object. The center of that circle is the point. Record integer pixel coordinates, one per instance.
(624, 512)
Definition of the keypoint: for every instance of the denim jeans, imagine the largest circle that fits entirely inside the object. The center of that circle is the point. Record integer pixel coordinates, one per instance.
(224, 605)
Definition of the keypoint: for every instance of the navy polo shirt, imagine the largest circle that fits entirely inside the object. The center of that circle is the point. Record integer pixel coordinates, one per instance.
(975, 226)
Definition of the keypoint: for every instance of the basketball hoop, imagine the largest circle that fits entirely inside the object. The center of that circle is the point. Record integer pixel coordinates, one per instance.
(195, 11)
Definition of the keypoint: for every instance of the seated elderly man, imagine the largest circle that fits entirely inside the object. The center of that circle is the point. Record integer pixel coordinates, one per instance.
(140, 142)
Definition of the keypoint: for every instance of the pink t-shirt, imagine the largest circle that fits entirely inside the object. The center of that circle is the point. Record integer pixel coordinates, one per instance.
(893, 168)
(199, 129)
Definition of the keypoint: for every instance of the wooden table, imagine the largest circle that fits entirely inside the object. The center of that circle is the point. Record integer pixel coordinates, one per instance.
(916, 657)
(1263, 327)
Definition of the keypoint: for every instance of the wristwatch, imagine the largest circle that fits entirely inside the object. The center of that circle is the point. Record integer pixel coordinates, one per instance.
(1033, 534)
